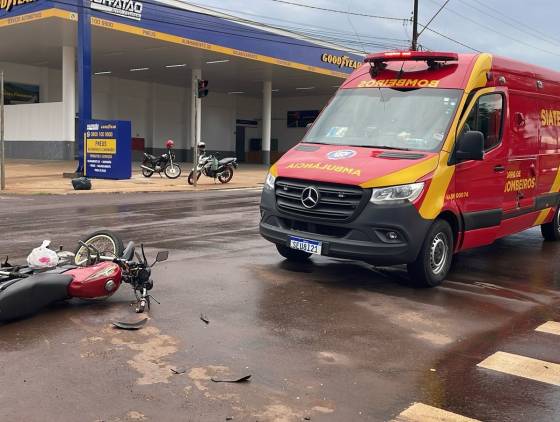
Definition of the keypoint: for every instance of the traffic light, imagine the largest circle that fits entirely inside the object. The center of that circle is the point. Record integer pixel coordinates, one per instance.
(202, 88)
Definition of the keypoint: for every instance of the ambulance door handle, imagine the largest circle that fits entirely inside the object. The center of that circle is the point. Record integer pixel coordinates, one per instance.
(499, 169)
(533, 169)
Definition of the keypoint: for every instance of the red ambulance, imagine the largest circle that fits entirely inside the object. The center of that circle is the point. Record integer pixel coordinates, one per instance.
(418, 156)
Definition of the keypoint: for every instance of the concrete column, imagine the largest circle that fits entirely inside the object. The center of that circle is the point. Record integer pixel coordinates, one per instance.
(195, 102)
(266, 121)
(69, 92)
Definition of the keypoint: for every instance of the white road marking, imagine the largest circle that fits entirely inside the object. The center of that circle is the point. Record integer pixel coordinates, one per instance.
(420, 412)
(551, 327)
(521, 366)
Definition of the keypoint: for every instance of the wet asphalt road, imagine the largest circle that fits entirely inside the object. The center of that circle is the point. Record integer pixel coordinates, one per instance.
(330, 341)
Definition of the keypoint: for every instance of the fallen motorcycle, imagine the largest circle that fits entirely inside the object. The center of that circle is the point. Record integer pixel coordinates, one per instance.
(94, 274)
(211, 166)
(164, 163)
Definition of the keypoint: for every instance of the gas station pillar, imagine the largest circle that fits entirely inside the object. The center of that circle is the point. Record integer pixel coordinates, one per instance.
(69, 92)
(266, 121)
(196, 109)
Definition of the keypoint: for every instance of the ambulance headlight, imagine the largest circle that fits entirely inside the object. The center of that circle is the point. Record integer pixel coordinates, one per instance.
(269, 182)
(401, 193)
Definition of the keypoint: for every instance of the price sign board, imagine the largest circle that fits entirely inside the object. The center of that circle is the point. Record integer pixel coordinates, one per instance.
(108, 149)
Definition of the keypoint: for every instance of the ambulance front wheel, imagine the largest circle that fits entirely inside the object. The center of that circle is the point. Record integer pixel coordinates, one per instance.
(551, 231)
(434, 260)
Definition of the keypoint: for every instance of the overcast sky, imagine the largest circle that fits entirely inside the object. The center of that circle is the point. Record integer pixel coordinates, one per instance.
(521, 29)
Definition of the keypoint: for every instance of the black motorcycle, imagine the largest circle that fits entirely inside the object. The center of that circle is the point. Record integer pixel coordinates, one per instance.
(211, 166)
(164, 163)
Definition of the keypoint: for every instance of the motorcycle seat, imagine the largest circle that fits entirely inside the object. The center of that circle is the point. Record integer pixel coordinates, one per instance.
(150, 156)
(226, 161)
(28, 295)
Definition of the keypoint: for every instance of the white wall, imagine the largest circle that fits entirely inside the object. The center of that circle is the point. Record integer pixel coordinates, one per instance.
(34, 122)
(49, 80)
(158, 112)
(288, 136)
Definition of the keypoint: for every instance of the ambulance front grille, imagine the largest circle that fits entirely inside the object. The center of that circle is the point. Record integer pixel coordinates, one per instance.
(336, 202)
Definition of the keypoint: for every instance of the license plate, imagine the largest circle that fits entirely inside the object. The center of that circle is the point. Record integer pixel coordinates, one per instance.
(306, 245)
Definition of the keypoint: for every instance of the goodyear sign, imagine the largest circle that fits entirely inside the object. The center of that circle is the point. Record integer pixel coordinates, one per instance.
(108, 149)
(340, 61)
(8, 5)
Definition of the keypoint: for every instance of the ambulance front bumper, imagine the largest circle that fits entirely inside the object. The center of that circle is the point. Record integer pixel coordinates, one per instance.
(379, 234)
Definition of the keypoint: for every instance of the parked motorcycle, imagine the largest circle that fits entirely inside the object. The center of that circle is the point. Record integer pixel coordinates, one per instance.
(164, 163)
(94, 274)
(211, 166)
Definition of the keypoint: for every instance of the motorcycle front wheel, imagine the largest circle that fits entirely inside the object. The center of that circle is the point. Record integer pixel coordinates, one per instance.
(226, 175)
(172, 171)
(190, 179)
(108, 243)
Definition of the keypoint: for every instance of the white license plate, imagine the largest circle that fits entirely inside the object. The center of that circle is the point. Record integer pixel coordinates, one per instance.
(311, 246)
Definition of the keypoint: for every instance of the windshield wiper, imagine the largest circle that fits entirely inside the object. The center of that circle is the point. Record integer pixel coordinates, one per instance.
(381, 147)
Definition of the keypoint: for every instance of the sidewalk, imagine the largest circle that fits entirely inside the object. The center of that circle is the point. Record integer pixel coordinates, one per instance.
(45, 177)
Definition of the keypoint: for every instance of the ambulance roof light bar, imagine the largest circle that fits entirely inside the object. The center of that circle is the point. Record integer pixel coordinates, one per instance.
(434, 60)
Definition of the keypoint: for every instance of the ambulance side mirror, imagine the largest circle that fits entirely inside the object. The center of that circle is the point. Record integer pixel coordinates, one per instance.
(470, 146)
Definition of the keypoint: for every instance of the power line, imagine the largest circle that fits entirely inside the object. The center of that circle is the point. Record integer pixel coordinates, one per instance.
(498, 15)
(493, 30)
(241, 32)
(325, 9)
(451, 39)
(378, 17)
(433, 17)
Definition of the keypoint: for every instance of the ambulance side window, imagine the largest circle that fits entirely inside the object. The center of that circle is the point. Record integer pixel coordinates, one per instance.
(486, 117)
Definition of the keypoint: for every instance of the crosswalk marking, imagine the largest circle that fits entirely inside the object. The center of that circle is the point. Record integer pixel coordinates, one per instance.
(521, 366)
(420, 412)
(550, 327)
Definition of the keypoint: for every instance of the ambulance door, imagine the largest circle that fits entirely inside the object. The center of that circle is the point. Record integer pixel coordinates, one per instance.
(522, 167)
(479, 185)
(549, 157)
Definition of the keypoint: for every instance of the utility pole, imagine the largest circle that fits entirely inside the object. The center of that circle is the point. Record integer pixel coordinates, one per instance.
(414, 46)
(2, 157)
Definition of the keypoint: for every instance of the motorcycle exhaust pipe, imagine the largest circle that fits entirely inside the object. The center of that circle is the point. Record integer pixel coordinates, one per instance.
(146, 168)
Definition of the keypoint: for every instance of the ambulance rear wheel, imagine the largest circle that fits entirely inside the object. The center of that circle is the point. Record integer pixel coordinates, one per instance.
(292, 254)
(551, 231)
(435, 257)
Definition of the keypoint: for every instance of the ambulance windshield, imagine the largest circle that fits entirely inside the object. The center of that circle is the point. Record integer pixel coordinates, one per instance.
(404, 119)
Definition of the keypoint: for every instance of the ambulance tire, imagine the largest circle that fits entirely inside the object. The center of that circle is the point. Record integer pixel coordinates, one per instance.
(293, 255)
(435, 257)
(551, 231)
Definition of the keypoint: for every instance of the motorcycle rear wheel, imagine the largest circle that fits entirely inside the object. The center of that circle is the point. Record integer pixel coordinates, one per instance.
(190, 179)
(226, 175)
(172, 171)
(147, 173)
(105, 241)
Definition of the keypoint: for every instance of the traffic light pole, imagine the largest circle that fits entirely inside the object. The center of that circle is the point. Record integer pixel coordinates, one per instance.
(414, 46)
(196, 140)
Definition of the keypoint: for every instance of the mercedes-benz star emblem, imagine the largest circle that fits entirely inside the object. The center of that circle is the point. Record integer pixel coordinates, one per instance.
(310, 197)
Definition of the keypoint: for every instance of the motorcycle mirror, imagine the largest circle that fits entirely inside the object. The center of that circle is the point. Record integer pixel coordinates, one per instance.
(143, 254)
(162, 256)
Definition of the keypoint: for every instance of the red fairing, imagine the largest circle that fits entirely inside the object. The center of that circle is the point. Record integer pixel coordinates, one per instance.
(95, 281)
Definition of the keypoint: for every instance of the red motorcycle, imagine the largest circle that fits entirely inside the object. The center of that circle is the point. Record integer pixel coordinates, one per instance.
(94, 274)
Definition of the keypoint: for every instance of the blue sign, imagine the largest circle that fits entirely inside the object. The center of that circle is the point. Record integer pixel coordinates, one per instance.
(108, 149)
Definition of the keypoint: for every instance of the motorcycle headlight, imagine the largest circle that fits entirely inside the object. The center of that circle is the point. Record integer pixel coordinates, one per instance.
(393, 194)
(269, 182)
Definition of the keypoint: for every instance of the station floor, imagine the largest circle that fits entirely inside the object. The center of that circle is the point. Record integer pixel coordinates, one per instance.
(45, 177)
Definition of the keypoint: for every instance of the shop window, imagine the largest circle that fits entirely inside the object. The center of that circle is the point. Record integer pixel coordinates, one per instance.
(486, 117)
